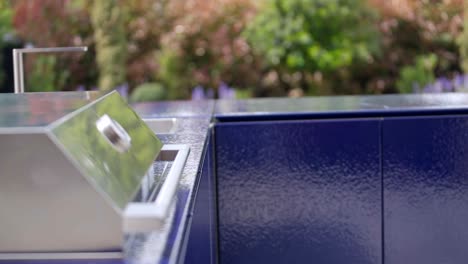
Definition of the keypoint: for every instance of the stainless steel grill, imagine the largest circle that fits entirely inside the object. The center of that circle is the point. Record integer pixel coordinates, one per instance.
(78, 174)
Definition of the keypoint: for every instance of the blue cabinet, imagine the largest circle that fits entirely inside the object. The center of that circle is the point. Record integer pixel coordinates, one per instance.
(299, 191)
(335, 180)
(425, 168)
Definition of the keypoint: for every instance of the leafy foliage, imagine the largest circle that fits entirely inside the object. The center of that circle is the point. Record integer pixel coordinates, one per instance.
(111, 46)
(463, 41)
(50, 23)
(145, 23)
(414, 77)
(411, 28)
(171, 68)
(44, 77)
(270, 47)
(148, 92)
(6, 15)
(6, 27)
(204, 46)
(319, 35)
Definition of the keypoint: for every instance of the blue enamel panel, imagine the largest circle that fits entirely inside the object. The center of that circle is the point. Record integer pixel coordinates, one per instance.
(425, 168)
(201, 247)
(299, 191)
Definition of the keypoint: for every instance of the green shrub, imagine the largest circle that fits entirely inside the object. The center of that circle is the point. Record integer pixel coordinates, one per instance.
(415, 77)
(44, 76)
(6, 27)
(314, 35)
(243, 93)
(205, 46)
(111, 44)
(148, 92)
(174, 73)
(463, 40)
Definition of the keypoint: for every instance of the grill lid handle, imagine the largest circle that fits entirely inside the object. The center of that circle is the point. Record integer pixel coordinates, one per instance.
(114, 133)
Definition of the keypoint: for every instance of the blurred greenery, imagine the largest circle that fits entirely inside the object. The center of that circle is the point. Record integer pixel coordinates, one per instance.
(6, 27)
(171, 70)
(6, 14)
(414, 78)
(111, 47)
(243, 94)
(320, 35)
(463, 40)
(148, 92)
(261, 47)
(44, 77)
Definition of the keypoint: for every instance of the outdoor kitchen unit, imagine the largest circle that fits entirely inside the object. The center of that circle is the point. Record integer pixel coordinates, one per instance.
(345, 179)
(81, 176)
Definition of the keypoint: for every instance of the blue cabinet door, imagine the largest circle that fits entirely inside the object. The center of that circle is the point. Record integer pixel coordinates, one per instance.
(299, 191)
(425, 168)
(202, 240)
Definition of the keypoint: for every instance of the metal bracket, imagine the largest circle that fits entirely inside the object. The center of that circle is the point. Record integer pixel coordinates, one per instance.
(18, 69)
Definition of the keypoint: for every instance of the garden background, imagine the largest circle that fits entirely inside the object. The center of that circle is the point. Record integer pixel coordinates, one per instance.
(196, 49)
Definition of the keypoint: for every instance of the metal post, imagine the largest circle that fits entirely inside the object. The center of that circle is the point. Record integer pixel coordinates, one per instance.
(18, 69)
(21, 72)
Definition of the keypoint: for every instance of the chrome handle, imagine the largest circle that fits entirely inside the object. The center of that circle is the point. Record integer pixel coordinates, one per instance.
(114, 133)
(18, 69)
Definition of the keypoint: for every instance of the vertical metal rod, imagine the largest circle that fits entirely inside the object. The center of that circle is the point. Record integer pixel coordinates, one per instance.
(21, 72)
(18, 69)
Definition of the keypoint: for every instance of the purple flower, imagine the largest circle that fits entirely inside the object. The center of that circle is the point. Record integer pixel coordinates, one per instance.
(429, 88)
(445, 84)
(225, 92)
(81, 88)
(198, 93)
(437, 87)
(458, 82)
(122, 90)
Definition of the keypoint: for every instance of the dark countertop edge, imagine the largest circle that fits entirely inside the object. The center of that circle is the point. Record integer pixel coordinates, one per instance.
(190, 206)
(279, 116)
(180, 230)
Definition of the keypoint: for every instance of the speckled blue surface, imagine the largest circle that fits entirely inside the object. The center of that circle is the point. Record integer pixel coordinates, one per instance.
(299, 191)
(425, 168)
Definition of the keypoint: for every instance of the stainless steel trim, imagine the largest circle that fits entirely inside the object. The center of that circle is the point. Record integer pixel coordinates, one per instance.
(141, 217)
(162, 125)
(55, 256)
